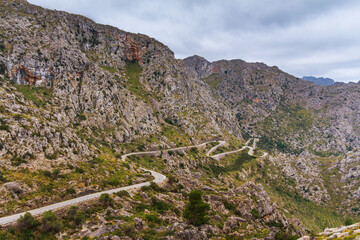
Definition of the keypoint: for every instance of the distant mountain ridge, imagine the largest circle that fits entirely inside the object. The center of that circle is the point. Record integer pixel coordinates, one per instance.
(319, 80)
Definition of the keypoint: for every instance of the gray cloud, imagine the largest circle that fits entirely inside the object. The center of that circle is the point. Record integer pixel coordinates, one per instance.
(307, 37)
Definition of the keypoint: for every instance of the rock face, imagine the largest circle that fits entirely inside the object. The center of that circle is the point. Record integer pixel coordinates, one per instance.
(97, 77)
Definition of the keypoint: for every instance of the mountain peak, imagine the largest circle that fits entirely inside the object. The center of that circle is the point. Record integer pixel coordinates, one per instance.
(319, 80)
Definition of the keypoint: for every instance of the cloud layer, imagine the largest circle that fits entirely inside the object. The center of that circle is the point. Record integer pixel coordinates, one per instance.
(319, 38)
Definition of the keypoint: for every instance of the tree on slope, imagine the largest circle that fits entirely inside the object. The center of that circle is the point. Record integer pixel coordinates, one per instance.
(196, 210)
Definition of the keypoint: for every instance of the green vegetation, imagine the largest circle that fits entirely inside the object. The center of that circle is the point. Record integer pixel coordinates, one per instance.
(270, 144)
(4, 127)
(159, 205)
(27, 223)
(133, 71)
(314, 217)
(106, 200)
(213, 80)
(148, 161)
(28, 228)
(123, 194)
(103, 172)
(285, 236)
(50, 223)
(196, 210)
(109, 69)
(348, 221)
(255, 213)
(76, 216)
(294, 120)
(326, 154)
(2, 178)
(2, 69)
(38, 95)
(235, 163)
(2, 47)
(175, 136)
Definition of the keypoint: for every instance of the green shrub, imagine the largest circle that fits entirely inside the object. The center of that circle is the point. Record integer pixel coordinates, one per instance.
(123, 193)
(172, 179)
(169, 121)
(70, 191)
(159, 205)
(153, 218)
(27, 223)
(194, 150)
(145, 188)
(16, 160)
(255, 213)
(2, 178)
(5, 127)
(76, 216)
(81, 117)
(196, 210)
(106, 200)
(47, 188)
(140, 207)
(113, 181)
(79, 170)
(50, 223)
(51, 156)
(46, 173)
(55, 174)
(156, 187)
(348, 221)
(285, 236)
(128, 230)
(229, 206)
(2, 46)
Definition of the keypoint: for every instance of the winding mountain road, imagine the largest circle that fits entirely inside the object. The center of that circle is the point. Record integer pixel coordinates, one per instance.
(158, 178)
(251, 150)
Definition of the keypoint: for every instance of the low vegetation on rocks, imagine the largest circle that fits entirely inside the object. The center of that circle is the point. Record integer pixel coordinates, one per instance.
(75, 96)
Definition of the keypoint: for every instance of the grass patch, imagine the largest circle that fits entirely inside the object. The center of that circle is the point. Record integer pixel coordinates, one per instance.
(213, 80)
(148, 162)
(38, 95)
(109, 69)
(175, 136)
(236, 161)
(133, 71)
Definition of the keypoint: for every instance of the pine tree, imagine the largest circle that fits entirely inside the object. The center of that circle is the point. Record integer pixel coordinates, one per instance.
(196, 210)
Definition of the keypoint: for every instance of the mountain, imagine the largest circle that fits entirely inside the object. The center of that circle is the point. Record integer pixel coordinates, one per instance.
(319, 80)
(286, 112)
(76, 96)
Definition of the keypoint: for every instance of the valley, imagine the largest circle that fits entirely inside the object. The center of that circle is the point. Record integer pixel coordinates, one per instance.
(110, 127)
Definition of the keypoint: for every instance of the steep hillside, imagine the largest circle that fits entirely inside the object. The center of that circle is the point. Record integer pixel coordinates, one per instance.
(76, 95)
(288, 113)
(312, 131)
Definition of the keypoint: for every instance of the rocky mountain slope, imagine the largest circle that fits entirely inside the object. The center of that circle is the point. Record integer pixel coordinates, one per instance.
(289, 114)
(76, 95)
(84, 90)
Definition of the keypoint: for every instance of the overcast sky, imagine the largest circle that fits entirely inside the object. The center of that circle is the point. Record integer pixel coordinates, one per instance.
(302, 37)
